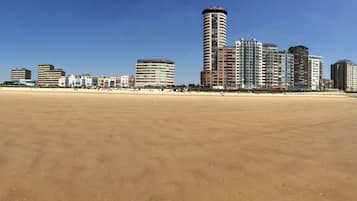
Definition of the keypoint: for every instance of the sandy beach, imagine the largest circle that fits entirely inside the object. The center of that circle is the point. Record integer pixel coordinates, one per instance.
(61, 146)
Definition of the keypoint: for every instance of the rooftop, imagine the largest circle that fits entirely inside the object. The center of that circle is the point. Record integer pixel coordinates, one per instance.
(21, 69)
(214, 9)
(301, 47)
(269, 45)
(165, 61)
(345, 61)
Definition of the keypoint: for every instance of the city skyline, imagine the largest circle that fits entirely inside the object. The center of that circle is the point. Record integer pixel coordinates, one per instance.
(95, 43)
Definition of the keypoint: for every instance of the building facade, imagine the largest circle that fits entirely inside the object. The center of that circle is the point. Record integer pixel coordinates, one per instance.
(214, 37)
(225, 76)
(124, 81)
(155, 73)
(131, 81)
(110, 82)
(48, 75)
(270, 68)
(344, 75)
(89, 81)
(78, 81)
(20, 74)
(315, 73)
(249, 64)
(301, 67)
(286, 68)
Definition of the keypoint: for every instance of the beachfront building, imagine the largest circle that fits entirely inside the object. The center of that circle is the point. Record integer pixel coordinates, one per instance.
(63, 82)
(48, 75)
(344, 75)
(110, 82)
(315, 73)
(301, 67)
(100, 81)
(154, 73)
(131, 81)
(18, 74)
(89, 81)
(124, 81)
(270, 67)
(327, 84)
(286, 70)
(214, 37)
(225, 76)
(77, 81)
(249, 64)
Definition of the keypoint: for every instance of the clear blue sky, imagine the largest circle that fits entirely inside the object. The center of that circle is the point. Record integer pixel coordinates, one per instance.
(107, 36)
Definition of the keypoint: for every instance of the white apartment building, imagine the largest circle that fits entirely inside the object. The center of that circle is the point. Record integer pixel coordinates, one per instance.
(155, 73)
(110, 82)
(124, 81)
(63, 81)
(315, 72)
(352, 79)
(270, 70)
(249, 64)
(89, 81)
(77, 81)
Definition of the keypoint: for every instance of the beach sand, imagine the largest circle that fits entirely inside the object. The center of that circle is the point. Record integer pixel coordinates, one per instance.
(120, 147)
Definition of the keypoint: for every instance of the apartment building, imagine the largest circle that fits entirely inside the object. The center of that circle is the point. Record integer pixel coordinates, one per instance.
(20, 74)
(270, 67)
(315, 73)
(155, 73)
(214, 37)
(286, 70)
(249, 64)
(344, 75)
(301, 67)
(48, 75)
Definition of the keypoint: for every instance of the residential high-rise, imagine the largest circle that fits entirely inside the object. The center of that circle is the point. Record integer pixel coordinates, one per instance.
(214, 37)
(48, 75)
(344, 75)
(20, 74)
(249, 64)
(315, 73)
(225, 76)
(155, 73)
(286, 67)
(270, 69)
(301, 66)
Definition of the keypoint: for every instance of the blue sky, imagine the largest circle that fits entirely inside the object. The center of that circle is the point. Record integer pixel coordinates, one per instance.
(107, 36)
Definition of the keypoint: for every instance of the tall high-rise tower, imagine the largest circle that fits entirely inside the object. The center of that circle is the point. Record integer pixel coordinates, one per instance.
(214, 37)
(301, 66)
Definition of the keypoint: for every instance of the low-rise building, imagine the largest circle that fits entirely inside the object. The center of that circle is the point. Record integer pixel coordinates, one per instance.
(90, 82)
(100, 81)
(77, 81)
(110, 82)
(132, 81)
(63, 81)
(124, 81)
